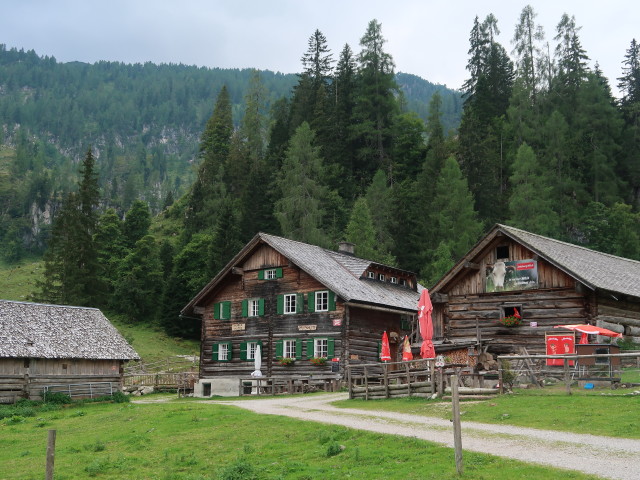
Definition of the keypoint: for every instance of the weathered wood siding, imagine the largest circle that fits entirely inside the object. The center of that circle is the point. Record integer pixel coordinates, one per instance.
(556, 301)
(365, 337)
(270, 327)
(26, 378)
(619, 315)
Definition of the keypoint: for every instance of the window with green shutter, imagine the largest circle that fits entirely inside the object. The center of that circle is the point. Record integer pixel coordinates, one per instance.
(253, 307)
(222, 310)
(270, 274)
(321, 301)
(248, 350)
(289, 348)
(221, 352)
(320, 347)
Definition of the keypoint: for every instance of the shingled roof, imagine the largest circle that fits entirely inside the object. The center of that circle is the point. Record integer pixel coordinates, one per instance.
(596, 270)
(339, 272)
(33, 330)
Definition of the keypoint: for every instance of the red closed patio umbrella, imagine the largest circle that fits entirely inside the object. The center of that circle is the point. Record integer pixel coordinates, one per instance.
(385, 351)
(406, 350)
(426, 325)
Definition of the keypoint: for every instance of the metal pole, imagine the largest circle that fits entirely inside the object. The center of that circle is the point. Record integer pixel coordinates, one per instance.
(51, 454)
(457, 431)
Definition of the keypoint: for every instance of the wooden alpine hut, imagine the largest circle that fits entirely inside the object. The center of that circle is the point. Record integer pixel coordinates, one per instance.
(311, 310)
(73, 350)
(513, 273)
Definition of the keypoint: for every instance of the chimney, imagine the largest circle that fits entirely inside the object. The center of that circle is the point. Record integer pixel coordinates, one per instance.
(346, 247)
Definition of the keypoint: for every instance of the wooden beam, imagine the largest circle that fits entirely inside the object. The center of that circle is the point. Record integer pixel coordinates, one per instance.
(471, 265)
(237, 271)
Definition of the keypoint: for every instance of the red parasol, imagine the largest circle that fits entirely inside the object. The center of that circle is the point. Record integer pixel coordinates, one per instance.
(590, 329)
(406, 350)
(426, 325)
(385, 351)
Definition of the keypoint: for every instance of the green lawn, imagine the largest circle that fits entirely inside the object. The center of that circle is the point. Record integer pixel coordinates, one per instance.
(18, 281)
(199, 441)
(600, 412)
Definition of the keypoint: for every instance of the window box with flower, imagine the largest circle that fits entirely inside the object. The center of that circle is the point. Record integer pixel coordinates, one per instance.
(318, 360)
(513, 320)
(286, 361)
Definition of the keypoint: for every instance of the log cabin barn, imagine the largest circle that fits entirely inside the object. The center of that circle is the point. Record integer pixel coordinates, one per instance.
(73, 350)
(311, 310)
(548, 282)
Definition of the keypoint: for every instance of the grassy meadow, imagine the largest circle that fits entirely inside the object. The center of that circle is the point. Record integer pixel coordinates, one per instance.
(601, 412)
(192, 440)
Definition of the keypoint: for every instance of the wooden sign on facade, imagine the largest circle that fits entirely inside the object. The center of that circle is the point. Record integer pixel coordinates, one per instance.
(237, 327)
(307, 328)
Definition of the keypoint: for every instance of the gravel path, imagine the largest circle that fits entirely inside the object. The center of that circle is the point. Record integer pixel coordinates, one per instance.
(603, 456)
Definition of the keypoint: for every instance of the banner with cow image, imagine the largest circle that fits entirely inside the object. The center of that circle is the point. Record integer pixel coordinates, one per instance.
(512, 275)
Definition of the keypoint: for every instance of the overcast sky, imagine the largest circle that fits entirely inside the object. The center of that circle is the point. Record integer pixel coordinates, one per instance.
(426, 38)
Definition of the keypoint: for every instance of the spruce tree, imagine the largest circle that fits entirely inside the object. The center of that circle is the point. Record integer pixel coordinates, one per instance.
(531, 204)
(361, 232)
(301, 186)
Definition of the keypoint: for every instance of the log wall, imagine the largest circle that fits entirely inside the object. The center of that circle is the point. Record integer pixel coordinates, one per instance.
(271, 327)
(26, 378)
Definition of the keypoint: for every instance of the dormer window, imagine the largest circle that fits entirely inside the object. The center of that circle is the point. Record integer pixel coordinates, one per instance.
(381, 277)
(270, 274)
(403, 282)
(371, 275)
(394, 280)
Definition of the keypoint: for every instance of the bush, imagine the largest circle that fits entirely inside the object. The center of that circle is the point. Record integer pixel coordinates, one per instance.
(239, 470)
(57, 398)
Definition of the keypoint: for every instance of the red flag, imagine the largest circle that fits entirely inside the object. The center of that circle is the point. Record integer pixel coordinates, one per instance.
(385, 351)
(426, 325)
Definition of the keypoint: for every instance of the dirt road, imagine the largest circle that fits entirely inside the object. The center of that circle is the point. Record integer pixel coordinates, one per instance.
(604, 456)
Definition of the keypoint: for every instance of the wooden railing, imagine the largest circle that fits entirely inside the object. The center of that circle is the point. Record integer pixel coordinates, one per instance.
(391, 379)
(288, 384)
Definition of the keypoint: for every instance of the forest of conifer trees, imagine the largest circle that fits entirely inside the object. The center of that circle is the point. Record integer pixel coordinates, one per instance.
(542, 145)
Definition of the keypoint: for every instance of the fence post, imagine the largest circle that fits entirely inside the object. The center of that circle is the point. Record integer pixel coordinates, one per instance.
(457, 432)
(500, 381)
(567, 376)
(51, 454)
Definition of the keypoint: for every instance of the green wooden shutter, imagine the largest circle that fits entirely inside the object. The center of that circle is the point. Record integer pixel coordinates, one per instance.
(214, 352)
(216, 311)
(279, 349)
(311, 302)
(245, 308)
(261, 307)
(243, 351)
(278, 272)
(280, 306)
(298, 348)
(331, 348)
(226, 310)
(299, 302)
(310, 348)
(260, 274)
(332, 300)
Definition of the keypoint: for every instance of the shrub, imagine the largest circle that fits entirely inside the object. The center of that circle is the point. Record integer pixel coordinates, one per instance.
(239, 470)
(57, 398)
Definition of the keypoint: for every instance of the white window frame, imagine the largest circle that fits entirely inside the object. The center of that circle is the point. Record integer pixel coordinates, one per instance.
(223, 352)
(403, 282)
(372, 275)
(381, 277)
(288, 348)
(394, 280)
(290, 303)
(270, 274)
(221, 311)
(322, 301)
(251, 350)
(253, 307)
(321, 347)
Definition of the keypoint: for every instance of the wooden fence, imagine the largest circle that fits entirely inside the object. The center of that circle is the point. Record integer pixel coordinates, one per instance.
(392, 379)
(82, 390)
(168, 381)
(288, 384)
(574, 368)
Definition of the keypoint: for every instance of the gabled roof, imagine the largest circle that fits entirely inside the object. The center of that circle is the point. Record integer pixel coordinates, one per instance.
(596, 270)
(339, 272)
(33, 330)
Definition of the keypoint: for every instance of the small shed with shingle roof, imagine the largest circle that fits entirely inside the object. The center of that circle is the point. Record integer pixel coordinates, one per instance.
(62, 346)
(545, 281)
(302, 302)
